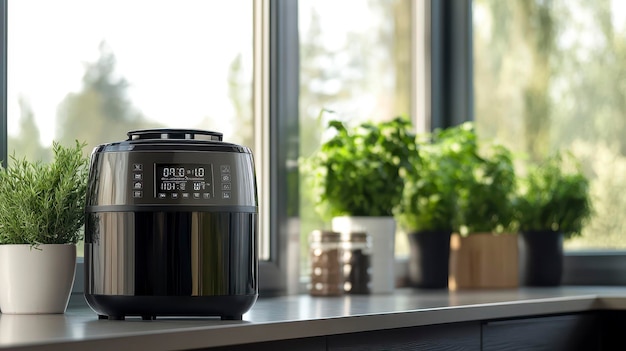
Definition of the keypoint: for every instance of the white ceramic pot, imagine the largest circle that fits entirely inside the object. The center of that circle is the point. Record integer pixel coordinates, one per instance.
(36, 280)
(382, 233)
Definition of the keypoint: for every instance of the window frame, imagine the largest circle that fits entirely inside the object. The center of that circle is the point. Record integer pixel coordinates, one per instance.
(280, 67)
(3, 82)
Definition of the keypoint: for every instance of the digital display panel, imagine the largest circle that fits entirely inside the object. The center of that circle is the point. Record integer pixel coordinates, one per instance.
(184, 180)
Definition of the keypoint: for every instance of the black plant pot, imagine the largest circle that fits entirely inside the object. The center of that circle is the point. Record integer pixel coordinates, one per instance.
(429, 259)
(541, 258)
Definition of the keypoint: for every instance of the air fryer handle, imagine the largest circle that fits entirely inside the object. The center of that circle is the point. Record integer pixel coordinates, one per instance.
(164, 133)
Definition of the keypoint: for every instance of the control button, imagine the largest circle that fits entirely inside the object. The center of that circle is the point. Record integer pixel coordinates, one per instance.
(137, 167)
(225, 168)
(196, 195)
(206, 196)
(138, 185)
(174, 195)
(138, 194)
(225, 177)
(162, 195)
(137, 176)
(226, 195)
(226, 186)
(185, 195)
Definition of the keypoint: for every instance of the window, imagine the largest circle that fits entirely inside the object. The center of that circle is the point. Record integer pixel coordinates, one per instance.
(353, 71)
(306, 56)
(93, 71)
(551, 75)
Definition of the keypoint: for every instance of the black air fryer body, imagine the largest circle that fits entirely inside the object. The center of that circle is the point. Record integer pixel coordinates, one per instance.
(171, 227)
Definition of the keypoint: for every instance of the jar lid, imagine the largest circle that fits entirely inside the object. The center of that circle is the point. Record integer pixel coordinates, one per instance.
(324, 236)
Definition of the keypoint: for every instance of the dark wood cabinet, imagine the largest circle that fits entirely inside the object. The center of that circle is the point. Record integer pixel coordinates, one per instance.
(554, 333)
(305, 344)
(613, 337)
(589, 331)
(454, 336)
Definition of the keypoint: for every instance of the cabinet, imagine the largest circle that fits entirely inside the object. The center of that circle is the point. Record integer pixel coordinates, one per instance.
(567, 333)
(598, 330)
(612, 330)
(453, 336)
(305, 344)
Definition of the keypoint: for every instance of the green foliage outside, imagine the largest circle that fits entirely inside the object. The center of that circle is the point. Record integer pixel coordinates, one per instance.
(102, 111)
(553, 198)
(549, 76)
(44, 203)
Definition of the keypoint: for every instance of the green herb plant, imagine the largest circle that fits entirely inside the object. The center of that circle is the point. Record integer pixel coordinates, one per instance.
(554, 196)
(44, 203)
(357, 171)
(484, 178)
(429, 200)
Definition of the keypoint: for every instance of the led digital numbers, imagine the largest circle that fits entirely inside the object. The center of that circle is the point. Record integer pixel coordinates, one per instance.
(197, 186)
(178, 179)
(181, 172)
(171, 186)
(173, 172)
(168, 186)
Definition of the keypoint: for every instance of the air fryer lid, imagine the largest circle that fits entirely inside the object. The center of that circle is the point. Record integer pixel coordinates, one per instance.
(168, 134)
(172, 140)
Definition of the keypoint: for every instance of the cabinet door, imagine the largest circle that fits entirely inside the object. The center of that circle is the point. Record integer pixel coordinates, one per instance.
(612, 330)
(454, 336)
(305, 344)
(568, 333)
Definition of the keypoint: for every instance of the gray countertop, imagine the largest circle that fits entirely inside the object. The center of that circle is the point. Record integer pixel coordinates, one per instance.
(298, 316)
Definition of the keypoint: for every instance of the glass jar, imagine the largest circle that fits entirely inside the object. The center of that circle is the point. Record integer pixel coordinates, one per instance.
(325, 254)
(356, 261)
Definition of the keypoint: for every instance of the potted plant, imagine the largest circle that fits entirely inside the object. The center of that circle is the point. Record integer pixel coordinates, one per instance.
(553, 205)
(427, 212)
(355, 176)
(41, 217)
(484, 252)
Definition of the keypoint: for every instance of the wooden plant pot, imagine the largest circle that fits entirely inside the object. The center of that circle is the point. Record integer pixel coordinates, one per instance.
(483, 261)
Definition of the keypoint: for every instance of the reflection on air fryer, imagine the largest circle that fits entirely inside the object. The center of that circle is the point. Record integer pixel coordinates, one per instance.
(187, 259)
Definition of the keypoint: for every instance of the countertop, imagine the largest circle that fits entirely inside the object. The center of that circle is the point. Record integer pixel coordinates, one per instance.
(298, 316)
